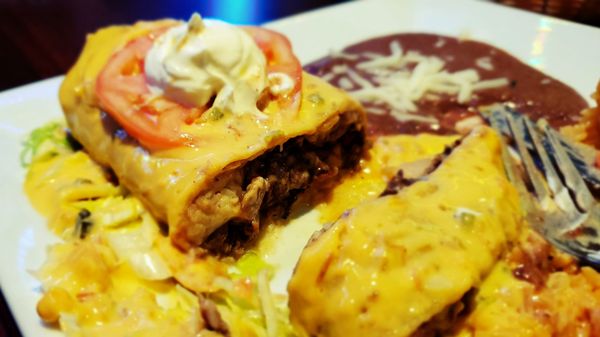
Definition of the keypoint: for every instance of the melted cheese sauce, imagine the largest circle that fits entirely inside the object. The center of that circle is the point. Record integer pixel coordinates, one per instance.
(98, 287)
(388, 155)
(101, 286)
(46, 179)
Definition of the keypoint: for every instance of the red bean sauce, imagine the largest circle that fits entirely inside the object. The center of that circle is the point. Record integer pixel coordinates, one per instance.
(531, 91)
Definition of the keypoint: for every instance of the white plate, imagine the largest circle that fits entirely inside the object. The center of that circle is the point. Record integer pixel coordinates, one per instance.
(567, 51)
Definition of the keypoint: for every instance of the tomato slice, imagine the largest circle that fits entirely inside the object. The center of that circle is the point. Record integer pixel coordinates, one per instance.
(155, 122)
(123, 93)
(280, 59)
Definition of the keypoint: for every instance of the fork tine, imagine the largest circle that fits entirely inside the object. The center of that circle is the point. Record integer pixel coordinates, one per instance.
(562, 198)
(546, 201)
(560, 192)
(563, 209)
(590, 254)
(572, 178)
(510, 167)
(540, 188)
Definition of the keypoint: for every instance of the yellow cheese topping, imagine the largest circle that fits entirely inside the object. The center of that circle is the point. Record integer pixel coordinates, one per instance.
(51, 181)
(388, 155)
(391, 264)
(99, 286)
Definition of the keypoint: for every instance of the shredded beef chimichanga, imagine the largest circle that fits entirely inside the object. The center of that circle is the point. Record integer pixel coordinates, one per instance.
(228, 168)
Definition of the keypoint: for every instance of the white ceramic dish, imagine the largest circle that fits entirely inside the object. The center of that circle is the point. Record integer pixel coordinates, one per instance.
(567, 51)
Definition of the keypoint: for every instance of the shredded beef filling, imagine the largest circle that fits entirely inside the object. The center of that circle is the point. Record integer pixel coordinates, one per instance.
(445, 320)
(400, 180)
(273, 181)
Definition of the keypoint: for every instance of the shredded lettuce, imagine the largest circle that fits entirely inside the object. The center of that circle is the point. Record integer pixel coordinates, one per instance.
(249, 265)
(267, 304)
(44, 142)
(250, 308)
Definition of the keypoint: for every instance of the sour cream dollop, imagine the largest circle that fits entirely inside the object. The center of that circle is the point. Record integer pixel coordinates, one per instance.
(193, 62)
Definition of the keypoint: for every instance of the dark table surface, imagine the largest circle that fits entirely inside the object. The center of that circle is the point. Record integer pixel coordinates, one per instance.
(42, 38)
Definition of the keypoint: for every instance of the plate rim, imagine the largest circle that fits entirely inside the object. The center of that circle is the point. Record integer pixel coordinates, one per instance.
(49, 88)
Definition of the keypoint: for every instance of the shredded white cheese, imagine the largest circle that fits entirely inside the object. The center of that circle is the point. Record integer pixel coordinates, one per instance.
(339, 69)
(342, 55)
(370, 55)
(468, 124)
(485, 63)
(402, 78)
(440, 43)
(328, 77)
(345, 83)
(491, 84)
(377, 111)
(359, 80)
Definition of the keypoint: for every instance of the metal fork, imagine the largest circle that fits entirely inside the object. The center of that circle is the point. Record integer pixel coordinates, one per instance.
(552, 176)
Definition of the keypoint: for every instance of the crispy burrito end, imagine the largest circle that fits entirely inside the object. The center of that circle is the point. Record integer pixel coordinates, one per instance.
(391, 266)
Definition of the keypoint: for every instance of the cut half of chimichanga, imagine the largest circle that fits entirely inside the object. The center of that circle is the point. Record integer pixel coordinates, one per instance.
(212, 126)
(396, 265)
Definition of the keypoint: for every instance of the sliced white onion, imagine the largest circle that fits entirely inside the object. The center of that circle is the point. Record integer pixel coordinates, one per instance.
(138, 237)
(129, 242)
(150, 266)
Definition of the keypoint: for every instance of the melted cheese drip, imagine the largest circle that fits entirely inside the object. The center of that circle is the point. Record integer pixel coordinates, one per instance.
(46, 179)
(94, 287)
(388, 155)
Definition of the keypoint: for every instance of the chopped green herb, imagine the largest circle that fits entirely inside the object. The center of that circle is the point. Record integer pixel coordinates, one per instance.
(82, 181)
(467, 219)
(466, 216)
(83, 223)
(44, 142)
(249, 265)
(215, 114)
(316, 99)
